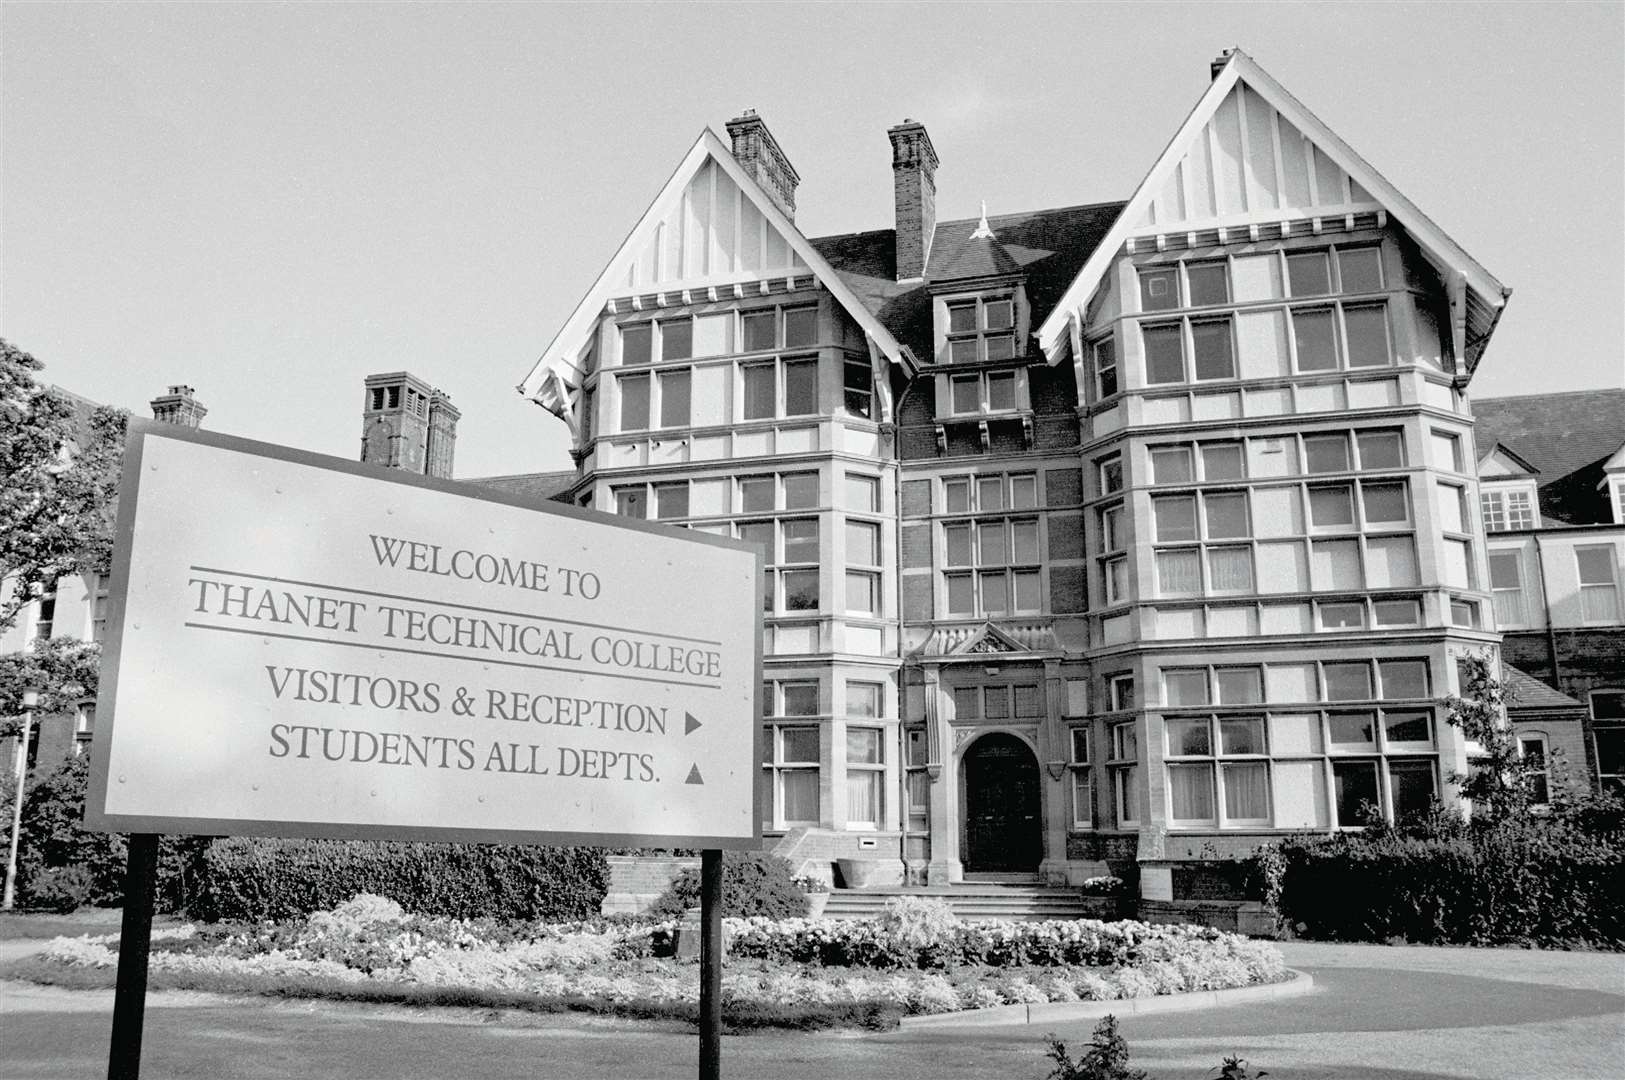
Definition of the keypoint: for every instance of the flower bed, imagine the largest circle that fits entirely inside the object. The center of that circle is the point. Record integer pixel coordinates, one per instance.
(914, 960)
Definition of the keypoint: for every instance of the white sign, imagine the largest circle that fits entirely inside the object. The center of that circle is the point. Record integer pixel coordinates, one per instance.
(304, 646)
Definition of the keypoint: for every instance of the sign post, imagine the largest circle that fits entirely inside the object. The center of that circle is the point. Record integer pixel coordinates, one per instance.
(304, 646)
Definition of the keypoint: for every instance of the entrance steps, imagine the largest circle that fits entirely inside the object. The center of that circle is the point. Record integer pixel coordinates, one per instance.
(976, 901)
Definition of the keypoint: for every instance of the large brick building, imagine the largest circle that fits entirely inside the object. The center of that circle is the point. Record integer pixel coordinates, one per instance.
(1101, 536)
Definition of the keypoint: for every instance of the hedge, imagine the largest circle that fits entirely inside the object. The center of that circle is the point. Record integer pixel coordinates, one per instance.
(753, 883)
(1520, 882)
(252, 879)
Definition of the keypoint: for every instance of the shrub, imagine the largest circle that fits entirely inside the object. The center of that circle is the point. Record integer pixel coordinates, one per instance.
(1106, 1058)
(753, 883)
(62, 889)
(248, 879)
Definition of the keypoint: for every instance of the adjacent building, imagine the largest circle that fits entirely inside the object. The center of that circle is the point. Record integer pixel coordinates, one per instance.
(1107, 536)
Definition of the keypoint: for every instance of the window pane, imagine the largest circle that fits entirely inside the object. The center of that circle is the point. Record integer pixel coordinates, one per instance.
(1307, 274)
(1230, 569)
(1188, 737)
(800, 491)
(1326, 453)
(999, 314)
(800, 794)
(1080, 746)
(1176, 517)
(990, 493)
(1412, 789)
(1024, 537)
(759, 533)
(800, 590)
(1398, 613)
(800, 387)
(956, 545)
(1361, 269)
(863, 746)
(863, 699)
(1342, 616)
(863, 543)
(1214, 356)
(956, 495)
(671, 500)
(1190, 790)
(1385, 503)
(674, 397)
(1171, 464)
(1159, 289)
(759, 330)
(634, 402)
(1179, 573)
(1596, 565)
(676, 339)
(960, 595)
(1122, 692)
(1125, 742)
(962, 318)
(1209, 283)
(1226, 515)
(995, 594)
(635, 344)
(1001, 389)
(1331, 506)
(1348, 682)
(996, 702)
(1116, 580)
(1111, 475)
(800, 326)
(800, 743)
(1367, 327)
(1028, 702)
(1356, 785)
(862, 493)
(1106, 367)
(760, 391)
(1408, 726)
(964, 351)
(1242, 736)
(800, 541)
(967, 702)
(801, 699)
(631, 502)
(1247, 792)
(1352, 729)
(1164, 356)
(1240, 686)
(863, 796)
(990, 544)
(1315, 334)
(967, 393)
(1000, 346)
(1111, 528)
(1029, 590)
(859, 389)
(1381, 450)
(756, 493)
(862, 592)
(1404, 678)
(1222, 461)
(1023, 492)
(1185, 687)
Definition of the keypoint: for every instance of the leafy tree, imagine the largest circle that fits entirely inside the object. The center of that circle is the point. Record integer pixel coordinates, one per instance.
(58, 484)
(64, 671)
(1499, 783)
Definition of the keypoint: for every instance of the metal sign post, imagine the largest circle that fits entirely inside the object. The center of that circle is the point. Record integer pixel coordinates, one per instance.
(134, 947)
(710, 964)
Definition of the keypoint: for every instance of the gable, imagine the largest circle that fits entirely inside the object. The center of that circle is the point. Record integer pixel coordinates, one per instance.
(1501, 463)
(1251, 159)
(710, 232)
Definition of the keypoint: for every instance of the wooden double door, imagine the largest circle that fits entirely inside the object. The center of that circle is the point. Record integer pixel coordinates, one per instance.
(1003, 825)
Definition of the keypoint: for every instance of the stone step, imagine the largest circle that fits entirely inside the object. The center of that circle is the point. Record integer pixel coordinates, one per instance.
(972, 902)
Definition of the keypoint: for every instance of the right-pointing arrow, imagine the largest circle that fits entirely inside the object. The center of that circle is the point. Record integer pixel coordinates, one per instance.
(689, 723)
(694, 776)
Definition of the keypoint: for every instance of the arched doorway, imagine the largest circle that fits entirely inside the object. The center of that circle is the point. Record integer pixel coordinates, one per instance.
(1003, 830)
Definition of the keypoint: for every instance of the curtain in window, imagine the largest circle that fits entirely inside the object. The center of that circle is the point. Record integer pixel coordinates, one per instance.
(1231, 569)
(1179, 572)
(800, 787)
(1191, 788)
(863, 797)
(1246, 791)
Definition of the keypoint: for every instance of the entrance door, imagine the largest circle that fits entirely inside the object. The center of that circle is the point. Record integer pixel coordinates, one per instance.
(1003, 833)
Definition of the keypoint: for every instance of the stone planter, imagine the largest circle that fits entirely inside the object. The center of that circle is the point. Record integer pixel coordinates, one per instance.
(869, 873)
(816, 902)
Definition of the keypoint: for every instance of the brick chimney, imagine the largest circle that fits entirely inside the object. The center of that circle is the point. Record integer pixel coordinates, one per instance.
(179, 407)
(1217, 64)
(914, 186)
(758, 151)
(407, 424)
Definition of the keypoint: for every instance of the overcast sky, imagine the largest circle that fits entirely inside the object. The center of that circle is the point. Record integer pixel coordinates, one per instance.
(271, 201)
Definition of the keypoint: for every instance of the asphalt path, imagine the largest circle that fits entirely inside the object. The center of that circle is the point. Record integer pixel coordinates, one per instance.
(1391, 1013)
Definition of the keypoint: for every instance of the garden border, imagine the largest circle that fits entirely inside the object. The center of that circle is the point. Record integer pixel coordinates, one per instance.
(1301, 982)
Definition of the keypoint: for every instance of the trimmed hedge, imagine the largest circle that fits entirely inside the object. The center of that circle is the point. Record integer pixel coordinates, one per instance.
(252, 879)
(1520, 882)
(753, 883)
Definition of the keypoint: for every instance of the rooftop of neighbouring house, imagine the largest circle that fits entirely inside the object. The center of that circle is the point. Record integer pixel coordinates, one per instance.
(539, 486)
(1567, 437)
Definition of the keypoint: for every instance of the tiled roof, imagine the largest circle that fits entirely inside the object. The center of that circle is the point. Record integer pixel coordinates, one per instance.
(1049, 247)
(1566, 436)
(546, 485)
(1528, 692)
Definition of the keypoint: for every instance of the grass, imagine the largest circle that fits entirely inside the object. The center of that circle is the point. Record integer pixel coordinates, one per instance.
(25, 925)
(738, 1017)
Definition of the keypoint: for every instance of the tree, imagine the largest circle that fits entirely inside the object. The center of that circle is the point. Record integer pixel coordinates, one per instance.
(1498, 783)
(58, 484)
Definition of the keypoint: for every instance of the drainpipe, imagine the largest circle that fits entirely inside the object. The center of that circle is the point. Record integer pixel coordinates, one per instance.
(1546, 606)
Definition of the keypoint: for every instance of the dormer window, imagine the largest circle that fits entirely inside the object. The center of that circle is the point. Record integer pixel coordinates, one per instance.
(981, 328)
(1507, 509)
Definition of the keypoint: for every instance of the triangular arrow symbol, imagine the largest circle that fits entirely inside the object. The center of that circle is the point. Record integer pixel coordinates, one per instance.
(689, 723)
(694, 775)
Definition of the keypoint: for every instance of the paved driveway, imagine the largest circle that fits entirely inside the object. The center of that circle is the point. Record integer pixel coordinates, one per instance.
(1388, 1013)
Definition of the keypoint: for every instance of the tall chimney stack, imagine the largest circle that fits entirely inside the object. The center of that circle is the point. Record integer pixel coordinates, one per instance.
(758, 151)
(1216, 65)
(179, 407)
(914, 186)
(407, 424)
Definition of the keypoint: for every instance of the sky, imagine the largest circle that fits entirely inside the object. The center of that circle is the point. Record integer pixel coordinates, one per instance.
(269, 202)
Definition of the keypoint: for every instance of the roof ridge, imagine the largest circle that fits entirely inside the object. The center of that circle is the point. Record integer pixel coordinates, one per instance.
(1550, 394)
